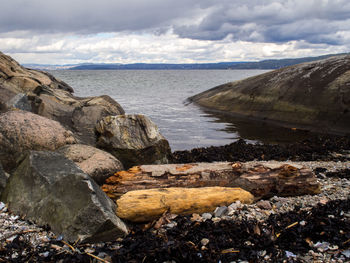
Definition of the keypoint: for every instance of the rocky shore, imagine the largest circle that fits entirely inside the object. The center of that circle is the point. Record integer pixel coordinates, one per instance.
(294, 229)
(61, 156)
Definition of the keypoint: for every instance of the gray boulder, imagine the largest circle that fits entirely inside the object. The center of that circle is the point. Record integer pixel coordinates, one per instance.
(98, 164)
(80, 115)
(51, 190)
(132, 139)
(21, 131)
(314, 95)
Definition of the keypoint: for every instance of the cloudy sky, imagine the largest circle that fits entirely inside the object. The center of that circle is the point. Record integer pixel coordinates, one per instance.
(171, 31)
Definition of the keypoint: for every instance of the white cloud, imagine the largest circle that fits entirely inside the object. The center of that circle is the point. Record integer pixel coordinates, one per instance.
(149, 48)
(155, 31)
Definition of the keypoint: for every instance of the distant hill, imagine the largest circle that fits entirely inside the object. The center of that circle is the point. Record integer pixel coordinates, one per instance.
(264, 64)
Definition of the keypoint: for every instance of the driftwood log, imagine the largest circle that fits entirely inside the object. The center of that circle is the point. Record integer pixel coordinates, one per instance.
(147, 205)
(263, 180)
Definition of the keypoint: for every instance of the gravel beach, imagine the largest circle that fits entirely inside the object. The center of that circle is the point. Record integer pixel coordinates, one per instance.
(23, 241)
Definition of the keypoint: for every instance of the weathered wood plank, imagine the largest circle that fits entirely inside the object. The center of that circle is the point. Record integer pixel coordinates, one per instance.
(262, 180)
(150, 204)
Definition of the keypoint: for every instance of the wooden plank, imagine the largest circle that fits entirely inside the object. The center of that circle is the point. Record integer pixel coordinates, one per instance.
(263, 180)
(150, 204)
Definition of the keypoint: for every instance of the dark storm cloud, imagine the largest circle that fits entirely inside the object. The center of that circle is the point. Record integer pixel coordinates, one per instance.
(278, 21)
(90, 16)
(316, 21)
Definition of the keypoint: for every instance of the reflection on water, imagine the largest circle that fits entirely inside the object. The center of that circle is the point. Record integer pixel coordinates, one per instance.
(256, 131)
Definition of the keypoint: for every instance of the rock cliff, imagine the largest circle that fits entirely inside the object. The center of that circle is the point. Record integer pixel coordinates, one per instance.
(313, 95)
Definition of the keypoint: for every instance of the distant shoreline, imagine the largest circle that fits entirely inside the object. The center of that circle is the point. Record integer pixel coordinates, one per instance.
(264, 64)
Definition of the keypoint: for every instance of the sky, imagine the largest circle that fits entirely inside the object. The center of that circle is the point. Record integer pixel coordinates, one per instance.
(169, 31)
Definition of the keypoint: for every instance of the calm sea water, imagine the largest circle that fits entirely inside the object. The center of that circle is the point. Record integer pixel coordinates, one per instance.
(161, 95)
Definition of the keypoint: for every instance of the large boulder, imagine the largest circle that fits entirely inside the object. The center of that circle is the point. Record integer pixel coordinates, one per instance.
(43, 94)
(21, 131)
(313, 95)
(51, 190)
(78, 114)
(132, 139)
(98, 164)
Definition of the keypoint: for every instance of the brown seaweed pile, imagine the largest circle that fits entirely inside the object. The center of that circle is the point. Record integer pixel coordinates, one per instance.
(312, 149)
(280, 237)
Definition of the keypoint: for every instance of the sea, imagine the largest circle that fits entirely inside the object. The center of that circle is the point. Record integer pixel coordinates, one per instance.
(162, 96)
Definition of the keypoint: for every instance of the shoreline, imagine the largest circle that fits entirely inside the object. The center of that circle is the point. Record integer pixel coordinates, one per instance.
(164, 241)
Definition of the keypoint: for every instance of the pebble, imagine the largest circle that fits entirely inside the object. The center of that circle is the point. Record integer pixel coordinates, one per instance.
(236, 205)
(264, 204)
(220, 211)
(207, 216)
(346, 253)
(205, 241)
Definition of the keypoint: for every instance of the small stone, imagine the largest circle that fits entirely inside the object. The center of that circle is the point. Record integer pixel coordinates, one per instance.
(14, 218)
(230, 211)
(14, 255)
(263, 204)
(220, 211)
(207, 216)
(302, 223)
(236, 205)
(216, 219)
(290, 255)
(262, 253)
(248, 243)
(267, 257)
(321, 176)
(278, 205)
(45, 254)
(196, 217)
(322, 246)
(346, 253)
(171, 225)
(205, 241)
(335, 247)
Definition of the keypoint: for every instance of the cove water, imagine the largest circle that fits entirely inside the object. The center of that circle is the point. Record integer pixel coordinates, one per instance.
(161, 95)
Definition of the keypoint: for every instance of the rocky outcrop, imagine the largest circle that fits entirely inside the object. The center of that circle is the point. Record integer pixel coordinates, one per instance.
(21, 131)
(313, 95)
(98, 164)
(132, 139)
(41, 93)
(51, 190)
(78, 114)
(21, 80)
